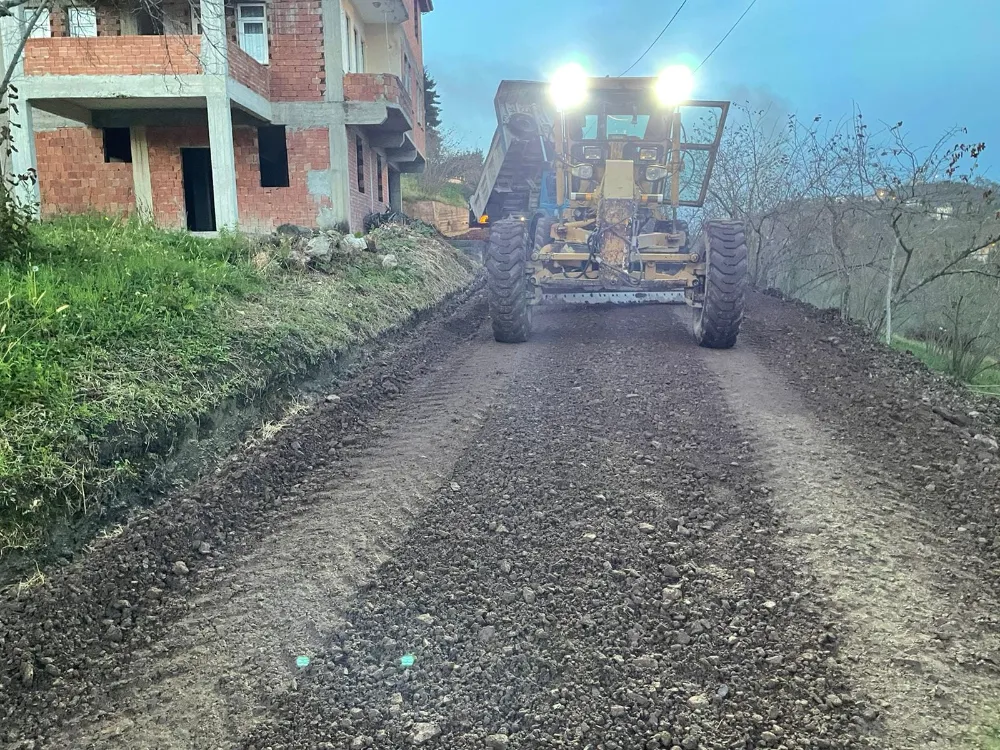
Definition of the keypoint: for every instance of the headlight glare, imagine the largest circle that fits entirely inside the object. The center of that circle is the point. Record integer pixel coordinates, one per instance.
(674, 85)
(568, 87)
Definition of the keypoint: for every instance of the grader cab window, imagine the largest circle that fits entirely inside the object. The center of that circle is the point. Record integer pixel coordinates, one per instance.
(629, 126)
(616, 127)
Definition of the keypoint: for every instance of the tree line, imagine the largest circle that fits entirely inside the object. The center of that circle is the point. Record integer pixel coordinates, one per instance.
(856, 216)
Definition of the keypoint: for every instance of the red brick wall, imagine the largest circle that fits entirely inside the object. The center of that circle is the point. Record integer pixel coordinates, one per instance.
(60, 23)
(261, 209)
(179, 13)
(73, 178)
(365, 203)
(248, 71)
(163, 55)
(165, 145)
(372, 87)
(264, 209)
(108, 22)
(296, 50)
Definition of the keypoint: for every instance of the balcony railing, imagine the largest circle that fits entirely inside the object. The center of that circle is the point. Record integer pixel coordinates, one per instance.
(113, 55)
(249, 72)
(136, 55)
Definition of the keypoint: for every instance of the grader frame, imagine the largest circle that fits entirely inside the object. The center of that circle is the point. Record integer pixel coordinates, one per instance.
(583, 207)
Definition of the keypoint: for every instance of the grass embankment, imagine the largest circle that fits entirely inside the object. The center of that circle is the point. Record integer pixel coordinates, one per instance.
(985, 382)
(447, 193)
(111, 331)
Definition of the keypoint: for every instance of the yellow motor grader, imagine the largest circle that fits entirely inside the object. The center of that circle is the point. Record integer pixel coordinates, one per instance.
(581, 191)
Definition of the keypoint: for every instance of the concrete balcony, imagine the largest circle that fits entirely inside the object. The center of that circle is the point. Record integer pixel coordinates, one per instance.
(378, 104)
(141, 80)
(378, 101)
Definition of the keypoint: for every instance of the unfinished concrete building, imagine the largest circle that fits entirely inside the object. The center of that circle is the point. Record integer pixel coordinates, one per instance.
(210, 114)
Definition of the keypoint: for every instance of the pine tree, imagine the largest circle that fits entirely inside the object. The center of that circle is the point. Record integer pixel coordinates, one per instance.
(432, 107)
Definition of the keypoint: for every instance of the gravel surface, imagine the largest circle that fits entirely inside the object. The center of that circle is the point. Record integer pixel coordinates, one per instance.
(620, 541)
(601, 573)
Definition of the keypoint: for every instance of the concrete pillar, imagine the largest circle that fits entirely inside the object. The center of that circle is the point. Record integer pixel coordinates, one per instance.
(333, 50)
(340, 175)
(214, 46)
(220, 141)
(215, 61)
(141, 179)
(395, 190)
(22, 161)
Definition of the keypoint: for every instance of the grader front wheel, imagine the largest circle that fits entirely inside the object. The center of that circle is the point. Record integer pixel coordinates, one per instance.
(507, 283)
(717, 322)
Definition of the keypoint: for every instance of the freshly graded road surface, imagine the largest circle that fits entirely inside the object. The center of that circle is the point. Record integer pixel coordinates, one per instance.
(605, 538)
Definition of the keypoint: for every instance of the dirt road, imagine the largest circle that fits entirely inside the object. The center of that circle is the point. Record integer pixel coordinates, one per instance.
(606, 538)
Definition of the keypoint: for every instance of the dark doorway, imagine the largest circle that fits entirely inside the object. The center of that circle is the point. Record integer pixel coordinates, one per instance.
(199, 198)
(395, 191)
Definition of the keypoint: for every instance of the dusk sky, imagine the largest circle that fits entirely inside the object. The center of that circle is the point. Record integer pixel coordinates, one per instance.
(930, 63)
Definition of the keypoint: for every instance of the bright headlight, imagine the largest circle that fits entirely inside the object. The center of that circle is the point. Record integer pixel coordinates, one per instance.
(674, 85)
(655, 172)
(583, 171)
(568, 87)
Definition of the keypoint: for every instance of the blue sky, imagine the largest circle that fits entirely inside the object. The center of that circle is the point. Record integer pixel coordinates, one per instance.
(930, 63)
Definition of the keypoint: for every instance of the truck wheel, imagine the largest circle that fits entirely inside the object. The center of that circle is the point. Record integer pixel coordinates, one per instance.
(717, 323)
(507, 283)
(543, 232)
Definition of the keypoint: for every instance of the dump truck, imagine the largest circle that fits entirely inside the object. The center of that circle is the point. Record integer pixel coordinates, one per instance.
(581, 198)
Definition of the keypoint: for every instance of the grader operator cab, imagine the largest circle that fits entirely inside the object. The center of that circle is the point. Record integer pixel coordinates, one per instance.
(581, 191)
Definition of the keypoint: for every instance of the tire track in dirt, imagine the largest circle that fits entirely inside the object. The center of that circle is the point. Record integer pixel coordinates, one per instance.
(204, 684)
(895, 582)
(603, 578)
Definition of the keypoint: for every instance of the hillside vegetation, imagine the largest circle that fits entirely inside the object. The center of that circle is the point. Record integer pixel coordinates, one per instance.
(112, 333)
(899, 236)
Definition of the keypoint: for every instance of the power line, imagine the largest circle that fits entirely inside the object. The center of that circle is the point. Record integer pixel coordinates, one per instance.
(662, 32)
(732, 28)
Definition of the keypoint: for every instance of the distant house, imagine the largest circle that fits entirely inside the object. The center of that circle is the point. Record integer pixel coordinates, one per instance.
(218, 114)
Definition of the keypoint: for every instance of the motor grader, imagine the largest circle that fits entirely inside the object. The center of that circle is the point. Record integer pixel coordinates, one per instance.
(581, 192)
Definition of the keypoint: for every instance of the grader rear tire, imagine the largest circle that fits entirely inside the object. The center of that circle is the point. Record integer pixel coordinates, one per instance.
(543, 232)
(506, 282)
(717, 322)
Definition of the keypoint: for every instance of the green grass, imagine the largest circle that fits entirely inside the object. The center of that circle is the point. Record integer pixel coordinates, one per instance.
(987, 736)
(113, 330)
(448, 193)
(987, 382)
